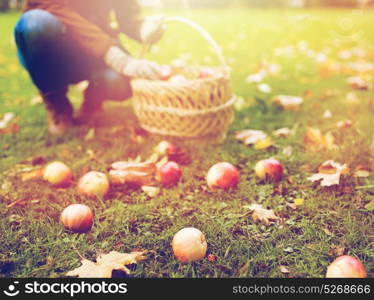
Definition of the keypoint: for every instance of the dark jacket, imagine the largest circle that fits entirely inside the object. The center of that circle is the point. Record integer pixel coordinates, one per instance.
(88, 21)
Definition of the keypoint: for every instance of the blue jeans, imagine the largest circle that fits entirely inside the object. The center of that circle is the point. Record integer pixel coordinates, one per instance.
(55, 61)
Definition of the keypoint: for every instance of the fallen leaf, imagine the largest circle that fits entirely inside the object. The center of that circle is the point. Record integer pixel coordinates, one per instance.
(264, 88)
(264, 144)
(250, 136)
(362, 171)
(358, 83)
(284, 269)
(287, 151)
(90, 135)
(315, 140)
(106, 264)
(137, 173)
(282, 132)
(151, 191)
(262, 214)
(299, 201)
(8, 124)
(329, 173)
(327, 114)
(288, 102)
(32, 175)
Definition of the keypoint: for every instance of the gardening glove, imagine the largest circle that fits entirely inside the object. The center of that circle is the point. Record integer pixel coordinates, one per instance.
(152, 30)
(132, 67)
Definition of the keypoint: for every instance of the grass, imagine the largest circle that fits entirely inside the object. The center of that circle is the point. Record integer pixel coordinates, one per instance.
(34, 244)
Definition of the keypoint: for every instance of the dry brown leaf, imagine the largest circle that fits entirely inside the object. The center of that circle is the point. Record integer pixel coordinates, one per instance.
(137, 173)
(362, 171)
(106, 264)
(251, 136)
(151, 191)
(262, 214)
(284, 269)
(329, 173)
(8, 124)
(282, 132)
(358, 83)
(32, 175)
(288, 102)
(315, 140)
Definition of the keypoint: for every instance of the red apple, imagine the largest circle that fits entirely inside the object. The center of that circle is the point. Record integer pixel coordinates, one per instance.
(166, 72)
(165, 148)
(94, 184)
(57, 173)
(207, 73)
(77, 218)
(170, 173)
(178, 79)
(189, 245)
(223, 176)
(269, 169)
(346, 267)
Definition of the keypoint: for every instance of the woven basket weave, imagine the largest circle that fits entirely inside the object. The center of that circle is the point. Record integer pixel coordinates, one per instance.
(198, 107)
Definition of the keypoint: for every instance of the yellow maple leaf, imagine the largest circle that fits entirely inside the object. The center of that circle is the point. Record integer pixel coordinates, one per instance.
(315, 140)
(262, 214)
(264, 144)
(106, 264)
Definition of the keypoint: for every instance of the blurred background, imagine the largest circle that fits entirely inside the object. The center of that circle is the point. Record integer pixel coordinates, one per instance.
(6, 5)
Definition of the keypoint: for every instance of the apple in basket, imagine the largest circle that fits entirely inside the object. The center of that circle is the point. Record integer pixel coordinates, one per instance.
(77, 218)
(223, 176)
(189, 245)
(178, 79)
(207, 73)
(94, 184)
(166, 72)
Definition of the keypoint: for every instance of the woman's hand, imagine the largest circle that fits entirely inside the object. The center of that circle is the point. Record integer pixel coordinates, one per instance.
(152, 30)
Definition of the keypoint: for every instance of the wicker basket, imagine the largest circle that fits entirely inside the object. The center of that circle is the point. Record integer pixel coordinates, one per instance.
(201, 107)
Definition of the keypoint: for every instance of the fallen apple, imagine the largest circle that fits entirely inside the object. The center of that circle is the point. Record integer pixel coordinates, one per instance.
(189, 245)
(223, 176)
(346, 267)
(271, 169)
(77, 218)
(165, 148)
(57, 173)
(169, 174)
(94, 184)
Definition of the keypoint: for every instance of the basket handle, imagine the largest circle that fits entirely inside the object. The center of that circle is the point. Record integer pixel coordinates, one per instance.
(205, 34)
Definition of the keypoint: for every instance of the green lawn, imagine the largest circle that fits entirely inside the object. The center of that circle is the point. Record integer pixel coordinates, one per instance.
(34, 244)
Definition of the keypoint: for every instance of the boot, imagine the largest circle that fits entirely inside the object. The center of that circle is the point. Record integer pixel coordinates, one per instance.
(92, 107)
(59, 111)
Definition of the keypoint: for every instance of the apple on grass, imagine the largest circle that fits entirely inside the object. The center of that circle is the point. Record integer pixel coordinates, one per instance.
(169, 174)
(57, 173)
(165, 148)
(94, 184)
(346, 266)
(77, 218)
(223, 176)
(271, 169)
(189, 245)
